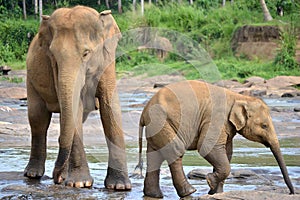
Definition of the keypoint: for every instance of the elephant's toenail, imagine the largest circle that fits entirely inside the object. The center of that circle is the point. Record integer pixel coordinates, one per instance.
(79, 185)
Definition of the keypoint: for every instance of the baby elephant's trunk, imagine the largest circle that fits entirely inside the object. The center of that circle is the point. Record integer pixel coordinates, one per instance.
(277, 154)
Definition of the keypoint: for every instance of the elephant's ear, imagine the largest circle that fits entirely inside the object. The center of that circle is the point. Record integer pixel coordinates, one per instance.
(44, 33)
(110, 30)
(238, 114)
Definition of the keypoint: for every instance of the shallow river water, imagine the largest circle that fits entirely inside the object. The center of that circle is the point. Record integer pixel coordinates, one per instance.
(249, 156)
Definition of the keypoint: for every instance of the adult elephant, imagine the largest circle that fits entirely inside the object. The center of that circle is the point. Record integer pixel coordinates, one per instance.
(194, 115)
(70, 65)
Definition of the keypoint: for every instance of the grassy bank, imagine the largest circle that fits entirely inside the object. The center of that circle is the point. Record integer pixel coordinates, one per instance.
(207, 28)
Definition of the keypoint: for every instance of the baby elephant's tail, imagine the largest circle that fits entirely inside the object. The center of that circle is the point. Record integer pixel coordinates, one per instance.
(138, 169)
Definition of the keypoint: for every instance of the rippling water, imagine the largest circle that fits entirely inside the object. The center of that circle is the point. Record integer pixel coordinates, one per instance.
(246, 155)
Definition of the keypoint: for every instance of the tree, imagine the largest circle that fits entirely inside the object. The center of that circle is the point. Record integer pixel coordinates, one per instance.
(134, 5)
(24, 9)
(41, 9)
(267, 15)
(107, 4)
(120, 6)
(36, 8)
(142, 7)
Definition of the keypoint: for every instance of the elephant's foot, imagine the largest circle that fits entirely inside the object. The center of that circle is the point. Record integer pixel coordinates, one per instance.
(215, 185)
(79, 177)
(117, 180)
(152, 191)
(151, 185)
(185, 189)
(34, 169)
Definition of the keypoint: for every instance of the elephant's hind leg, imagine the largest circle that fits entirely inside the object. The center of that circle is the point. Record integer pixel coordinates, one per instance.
(219, 160)
(39, 119)
(183, 187)
(151, 183)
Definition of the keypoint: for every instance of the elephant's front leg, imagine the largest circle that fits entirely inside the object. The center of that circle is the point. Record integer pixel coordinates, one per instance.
(71, 165)
(117, 174)
(78, 171)
(183, 187)
(219, 160)
(39, 119)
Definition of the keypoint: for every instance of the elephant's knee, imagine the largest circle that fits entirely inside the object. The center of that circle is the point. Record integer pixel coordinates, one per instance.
(223, 173)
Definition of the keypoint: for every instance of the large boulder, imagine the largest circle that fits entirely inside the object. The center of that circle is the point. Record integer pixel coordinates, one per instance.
(256, 42)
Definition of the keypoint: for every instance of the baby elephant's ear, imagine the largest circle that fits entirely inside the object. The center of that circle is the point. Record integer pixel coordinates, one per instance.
(238, 114)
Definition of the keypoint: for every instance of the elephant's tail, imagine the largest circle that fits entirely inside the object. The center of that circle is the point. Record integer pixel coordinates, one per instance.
(138, 169)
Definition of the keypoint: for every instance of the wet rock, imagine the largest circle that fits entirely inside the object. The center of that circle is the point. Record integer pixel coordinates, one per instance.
(288, 94)
(4, 70)
(297, 109)
(258, 93)
(13, 92)
(198, 174)
(159, 85)
(228, 84)
(257, 195)
(255, 80)
(283, 81)
(243, 173)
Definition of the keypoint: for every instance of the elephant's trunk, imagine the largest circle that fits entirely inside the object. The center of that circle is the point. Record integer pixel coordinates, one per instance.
(69, 84)
(277, 154)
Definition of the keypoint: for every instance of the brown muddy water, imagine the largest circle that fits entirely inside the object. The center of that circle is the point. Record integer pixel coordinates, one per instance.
(253, 165)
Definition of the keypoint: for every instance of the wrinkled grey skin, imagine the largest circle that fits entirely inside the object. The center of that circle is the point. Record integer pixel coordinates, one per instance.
(193, 115)
(70, 66)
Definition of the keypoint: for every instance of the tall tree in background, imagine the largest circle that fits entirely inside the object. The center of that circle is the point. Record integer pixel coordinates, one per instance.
(120, 6)
(142, 7)
(24, 9)
(134, 5)
(41, 9)
(35, 8)
(107, 4)
(267, 15)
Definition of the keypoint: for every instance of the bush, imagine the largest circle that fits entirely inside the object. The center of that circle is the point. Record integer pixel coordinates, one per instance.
(285, 58)
(15, 37)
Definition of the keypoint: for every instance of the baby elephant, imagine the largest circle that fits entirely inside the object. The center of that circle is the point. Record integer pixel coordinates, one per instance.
(192, 115)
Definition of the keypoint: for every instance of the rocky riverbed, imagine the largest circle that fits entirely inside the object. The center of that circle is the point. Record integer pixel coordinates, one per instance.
(254, 171)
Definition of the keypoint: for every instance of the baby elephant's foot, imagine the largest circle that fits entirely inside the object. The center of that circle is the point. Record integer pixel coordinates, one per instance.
(153, 192)
(151, 185)
(185, 189)
(215, 185)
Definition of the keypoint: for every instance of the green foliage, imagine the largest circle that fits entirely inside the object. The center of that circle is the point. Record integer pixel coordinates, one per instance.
(15, 37)
(12, 79)
(9, 9)
(205, 23)
(285, 58)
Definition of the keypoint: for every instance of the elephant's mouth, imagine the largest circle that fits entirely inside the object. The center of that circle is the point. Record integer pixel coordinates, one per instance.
(266, 144)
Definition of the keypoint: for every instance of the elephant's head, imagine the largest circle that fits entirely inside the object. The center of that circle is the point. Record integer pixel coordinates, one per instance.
(251, 118)
(80, 43)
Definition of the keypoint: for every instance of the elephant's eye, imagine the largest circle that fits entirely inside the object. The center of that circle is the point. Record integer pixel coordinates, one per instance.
(264, 126)
(85, 53)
